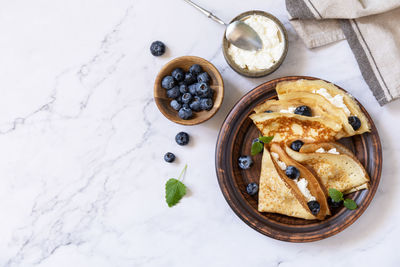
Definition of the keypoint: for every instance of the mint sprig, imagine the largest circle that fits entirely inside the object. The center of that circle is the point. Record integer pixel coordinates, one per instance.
(337, 196)
(175, 189)
(258, 146)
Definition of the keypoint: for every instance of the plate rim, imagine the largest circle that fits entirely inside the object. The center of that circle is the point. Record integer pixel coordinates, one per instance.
(307, 236)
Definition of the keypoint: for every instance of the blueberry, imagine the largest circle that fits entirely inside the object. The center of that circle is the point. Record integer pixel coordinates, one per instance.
(190, 78)
(303, 110)
(168, 82)
(178, 74)
(195, 105)
(192, 88)
(252, 189)
(169, 157)
(195, 69)
(185, 105)
(206, 103)
(296, 145)
(334, 204)
(354, 122)
(245, 162)
(268, 111)
(314, 207)
(186, 97)
(256, 140)
(157, 48)
(203, 78)
(183, 88)
(182, 138)
(173, 93)
(185, 113)
(179, 99)
(203, 90)
(292, 172)
(175, 104)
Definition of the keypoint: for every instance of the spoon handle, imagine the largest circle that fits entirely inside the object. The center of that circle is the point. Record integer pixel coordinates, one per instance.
(205, 12)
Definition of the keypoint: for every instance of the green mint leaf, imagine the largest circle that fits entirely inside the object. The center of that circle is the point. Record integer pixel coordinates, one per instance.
(350, 204)
(174, 191)
(336, 195)
(266, 139)
(256, 148)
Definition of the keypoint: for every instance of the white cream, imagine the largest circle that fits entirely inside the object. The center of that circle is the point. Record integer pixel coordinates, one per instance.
(289, 110)
(331, 151)
(272, 50)
(302, 185)
(281, 164)
(337, 100)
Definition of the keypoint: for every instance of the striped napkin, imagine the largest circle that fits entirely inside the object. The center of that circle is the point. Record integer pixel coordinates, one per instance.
(372, 29)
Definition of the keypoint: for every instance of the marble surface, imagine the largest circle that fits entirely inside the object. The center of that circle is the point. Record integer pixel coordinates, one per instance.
(82, 142)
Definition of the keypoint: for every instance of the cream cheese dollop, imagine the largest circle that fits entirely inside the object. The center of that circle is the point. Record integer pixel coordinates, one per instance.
(273, 45)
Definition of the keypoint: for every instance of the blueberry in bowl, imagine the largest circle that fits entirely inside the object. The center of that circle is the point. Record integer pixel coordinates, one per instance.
(195, 85)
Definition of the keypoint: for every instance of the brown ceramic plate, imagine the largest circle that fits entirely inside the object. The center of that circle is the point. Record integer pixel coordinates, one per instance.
(235, 137)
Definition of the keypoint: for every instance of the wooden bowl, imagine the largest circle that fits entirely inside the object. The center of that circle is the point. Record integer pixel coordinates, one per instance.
(160, 94)
(258, 73)
(235, 138)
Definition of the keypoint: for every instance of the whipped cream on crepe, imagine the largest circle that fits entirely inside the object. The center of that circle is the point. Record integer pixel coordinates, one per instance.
(273, 45)
(331, 151)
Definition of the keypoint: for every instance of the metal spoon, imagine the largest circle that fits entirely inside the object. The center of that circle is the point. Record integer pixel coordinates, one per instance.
(237, 33)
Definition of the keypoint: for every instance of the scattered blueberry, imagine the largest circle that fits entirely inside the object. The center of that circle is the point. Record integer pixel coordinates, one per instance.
(186, 97)
(185, 113)
(195, 105)
(183, 88)
(175, 104)
(190, 78)
(195, 69)
(169, 157)
(296, 145)
(203, 78)
(178, 74)
(192, 88)
(268, 111)
(182, 138)
(292, 172)
(173, 93)
(303, 110)
(314, 207)
(168, 82)
(252, 189)
(157, 48)
(245, 162)
(354, 122)
(334, 204)
(206, 103)
(203, 90)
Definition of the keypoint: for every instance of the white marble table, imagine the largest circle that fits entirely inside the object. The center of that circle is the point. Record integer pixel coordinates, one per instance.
(82, 142)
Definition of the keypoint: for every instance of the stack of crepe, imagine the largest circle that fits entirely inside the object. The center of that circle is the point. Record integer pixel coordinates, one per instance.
(323, 163)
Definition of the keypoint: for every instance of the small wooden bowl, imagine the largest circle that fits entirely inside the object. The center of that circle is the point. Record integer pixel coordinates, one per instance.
(163, 102)
(256, 73)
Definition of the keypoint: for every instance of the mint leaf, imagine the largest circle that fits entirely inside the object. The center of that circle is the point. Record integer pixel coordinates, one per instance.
(174, 191)
(336, 195)
(266, 139)
(350, 204)
(256, 148)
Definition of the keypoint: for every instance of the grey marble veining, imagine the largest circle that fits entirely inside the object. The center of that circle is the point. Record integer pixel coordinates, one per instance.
(82, 142)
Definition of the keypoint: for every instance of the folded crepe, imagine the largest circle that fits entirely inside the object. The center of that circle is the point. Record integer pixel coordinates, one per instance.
(287, 126)
(335, 165)
(336, 102)
(280, 194)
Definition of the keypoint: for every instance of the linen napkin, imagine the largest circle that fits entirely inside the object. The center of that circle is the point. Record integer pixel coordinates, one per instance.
(372, 29)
